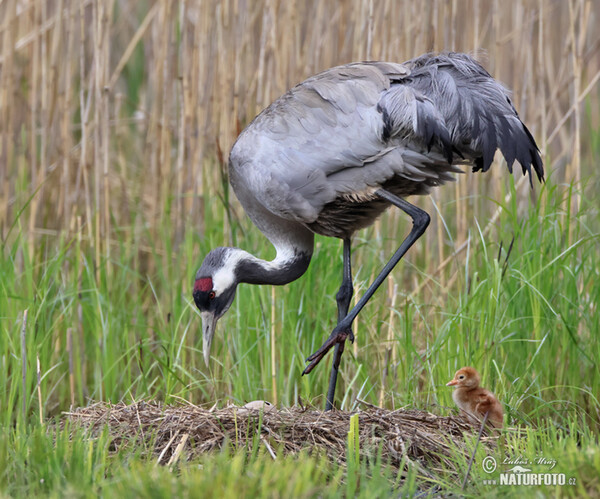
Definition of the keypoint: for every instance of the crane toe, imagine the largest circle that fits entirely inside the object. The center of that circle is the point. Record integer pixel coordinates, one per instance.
(339, 335)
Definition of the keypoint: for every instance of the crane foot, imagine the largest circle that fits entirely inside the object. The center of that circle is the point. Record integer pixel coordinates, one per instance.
(339, 335)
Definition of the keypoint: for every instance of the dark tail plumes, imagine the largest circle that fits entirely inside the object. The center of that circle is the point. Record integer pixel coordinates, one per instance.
(477, 112)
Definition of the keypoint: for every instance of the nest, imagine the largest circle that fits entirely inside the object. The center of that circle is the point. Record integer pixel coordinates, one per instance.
(183, 432)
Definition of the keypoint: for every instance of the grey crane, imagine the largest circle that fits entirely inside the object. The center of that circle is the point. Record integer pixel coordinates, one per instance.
(330, 155)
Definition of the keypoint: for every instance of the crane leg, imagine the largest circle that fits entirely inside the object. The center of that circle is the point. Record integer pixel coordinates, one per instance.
(343, 330)
(343, 298)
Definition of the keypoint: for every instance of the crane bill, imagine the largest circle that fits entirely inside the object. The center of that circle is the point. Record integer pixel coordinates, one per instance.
(209, 323)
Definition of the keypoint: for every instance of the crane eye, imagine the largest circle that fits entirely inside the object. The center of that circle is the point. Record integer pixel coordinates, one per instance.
(461, 376)
(211, 295)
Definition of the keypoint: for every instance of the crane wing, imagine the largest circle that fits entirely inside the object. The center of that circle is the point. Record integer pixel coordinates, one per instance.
(287, 156)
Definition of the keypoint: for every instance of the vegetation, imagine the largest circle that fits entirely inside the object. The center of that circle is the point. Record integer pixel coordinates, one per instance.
(115, 121)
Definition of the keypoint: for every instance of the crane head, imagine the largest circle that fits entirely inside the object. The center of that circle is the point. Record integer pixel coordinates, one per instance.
(214, 291)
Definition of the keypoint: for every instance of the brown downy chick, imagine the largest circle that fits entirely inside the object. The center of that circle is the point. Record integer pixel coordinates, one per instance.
(473, 399)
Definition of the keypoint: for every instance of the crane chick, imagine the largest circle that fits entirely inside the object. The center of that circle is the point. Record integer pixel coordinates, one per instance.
(475, 400)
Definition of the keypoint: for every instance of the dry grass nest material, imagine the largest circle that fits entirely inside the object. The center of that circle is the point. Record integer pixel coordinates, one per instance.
(184, 432)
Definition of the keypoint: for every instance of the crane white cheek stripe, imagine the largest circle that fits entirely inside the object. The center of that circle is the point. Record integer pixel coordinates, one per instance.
(225, 276)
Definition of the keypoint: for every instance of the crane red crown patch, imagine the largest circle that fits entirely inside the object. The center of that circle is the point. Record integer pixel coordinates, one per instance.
(204, 284)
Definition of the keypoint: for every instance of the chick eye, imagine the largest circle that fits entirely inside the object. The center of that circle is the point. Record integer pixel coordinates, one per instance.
(461, 377)
(211, 295)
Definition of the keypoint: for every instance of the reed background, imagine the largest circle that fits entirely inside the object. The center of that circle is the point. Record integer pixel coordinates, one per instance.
(116, 118)
(110, 104)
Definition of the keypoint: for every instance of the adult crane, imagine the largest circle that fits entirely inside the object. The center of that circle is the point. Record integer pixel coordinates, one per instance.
(330, 155)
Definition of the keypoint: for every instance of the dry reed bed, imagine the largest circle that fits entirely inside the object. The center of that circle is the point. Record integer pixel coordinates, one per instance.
(107, 103)
(116, 114)
(170, 432)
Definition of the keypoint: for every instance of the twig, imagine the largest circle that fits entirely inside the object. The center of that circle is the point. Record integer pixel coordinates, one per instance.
(368, 404)
(39, 390)
(163, 452)
(71, 373)
(24, 361)
(264, 441)
(178, 449)
(474, 450)
(132, 44)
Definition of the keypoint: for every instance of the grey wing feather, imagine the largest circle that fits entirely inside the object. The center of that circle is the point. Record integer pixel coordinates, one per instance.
(476, 109)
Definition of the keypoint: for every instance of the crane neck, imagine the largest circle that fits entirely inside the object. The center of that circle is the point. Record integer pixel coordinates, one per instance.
(288, 266)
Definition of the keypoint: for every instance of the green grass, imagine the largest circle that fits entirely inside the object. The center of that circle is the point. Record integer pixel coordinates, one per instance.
(38, 462)
(527, 320)
(42, 461)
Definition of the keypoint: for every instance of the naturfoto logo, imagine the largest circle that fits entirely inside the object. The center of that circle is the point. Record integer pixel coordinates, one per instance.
(521, 472)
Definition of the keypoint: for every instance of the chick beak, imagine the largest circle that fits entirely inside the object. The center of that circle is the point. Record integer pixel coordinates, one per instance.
(452, 383)
(209, 322)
